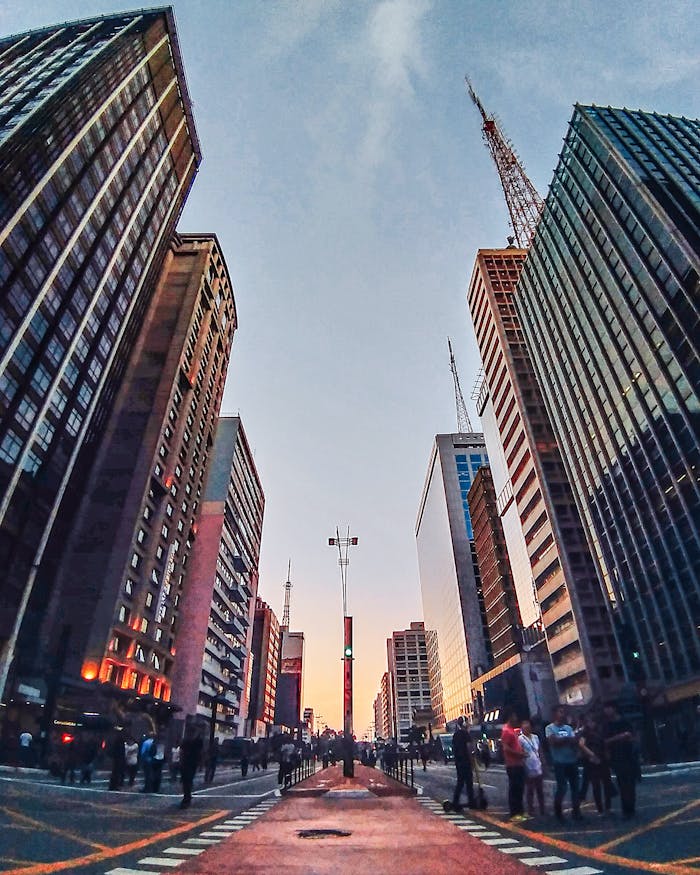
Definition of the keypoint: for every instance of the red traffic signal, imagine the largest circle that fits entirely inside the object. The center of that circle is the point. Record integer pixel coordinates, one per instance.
(67, 738)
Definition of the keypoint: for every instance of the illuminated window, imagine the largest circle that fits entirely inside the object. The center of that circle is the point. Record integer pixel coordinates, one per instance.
(124, 614)
(149, 599)
(141, 537)
(135, 559)
(158, 634)
(159, 552)
(169, 509)
(129, 586)
(164, 531)
(139, 654)
(144, 625)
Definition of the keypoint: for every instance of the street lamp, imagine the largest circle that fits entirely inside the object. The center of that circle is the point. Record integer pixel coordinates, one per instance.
(343, 544)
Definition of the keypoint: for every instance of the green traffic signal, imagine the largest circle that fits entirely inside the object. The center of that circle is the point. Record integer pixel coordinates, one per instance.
(348, 651)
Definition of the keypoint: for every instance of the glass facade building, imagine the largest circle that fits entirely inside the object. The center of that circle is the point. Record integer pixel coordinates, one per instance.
(609, 302)
(97, 153)
(453, 607)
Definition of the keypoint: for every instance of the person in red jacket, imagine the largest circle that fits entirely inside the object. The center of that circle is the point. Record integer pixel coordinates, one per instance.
(514, 758)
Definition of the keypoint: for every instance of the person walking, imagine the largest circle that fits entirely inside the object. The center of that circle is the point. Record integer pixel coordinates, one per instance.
(157, 763)
(26, 753)
(514, 758)
(530, 745)
(146, 754)
(212, 761)
(174, 763)
(461, 750)
(596, 771)
(563, 749)
(131, 753)
(88, 755)
(190, 757)
(623, 757)
(117, 752)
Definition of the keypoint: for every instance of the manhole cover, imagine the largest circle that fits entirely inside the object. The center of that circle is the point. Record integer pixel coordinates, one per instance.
(322, 833)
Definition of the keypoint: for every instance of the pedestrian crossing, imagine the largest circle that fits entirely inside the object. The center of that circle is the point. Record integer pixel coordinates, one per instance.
(170, 858)
(526, 854)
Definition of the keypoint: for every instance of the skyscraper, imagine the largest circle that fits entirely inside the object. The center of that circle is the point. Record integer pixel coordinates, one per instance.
(533, 491)
(290, 680)
(98, 151)
(214, 658)
(408, 666)
(111, 607)
(609, 303)
(265, 650)
(453, 606)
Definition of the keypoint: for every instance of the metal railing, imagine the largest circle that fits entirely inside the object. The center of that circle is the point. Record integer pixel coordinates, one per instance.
(400, 769)
(303, 769)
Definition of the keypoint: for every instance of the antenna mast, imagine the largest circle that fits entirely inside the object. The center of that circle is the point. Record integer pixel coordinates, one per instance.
(287, 596)
(524, 203)
(464, 425)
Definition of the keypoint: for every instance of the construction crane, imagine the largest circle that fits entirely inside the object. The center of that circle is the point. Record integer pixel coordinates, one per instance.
(287, 597)
(524, 203)
(464, 425)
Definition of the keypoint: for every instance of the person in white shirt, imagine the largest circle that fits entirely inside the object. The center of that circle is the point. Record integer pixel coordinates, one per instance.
(25, 748)
(131, 750)
(530, 744)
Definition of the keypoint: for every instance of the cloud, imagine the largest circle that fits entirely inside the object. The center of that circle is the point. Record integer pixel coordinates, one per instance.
(288, 23)
(394, 51)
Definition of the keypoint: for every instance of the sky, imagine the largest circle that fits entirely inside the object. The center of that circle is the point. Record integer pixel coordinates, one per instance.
(345, 176)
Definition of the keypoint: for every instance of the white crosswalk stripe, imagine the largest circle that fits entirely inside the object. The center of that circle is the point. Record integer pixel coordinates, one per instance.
(184, 852)
(160, 861)
(577, 870)
(543, 861)
(521, 849)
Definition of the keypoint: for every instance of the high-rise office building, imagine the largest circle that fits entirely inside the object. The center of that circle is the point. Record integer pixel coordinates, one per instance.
(215, 658)
(609, 304)
(290, 680)
(386, 728)
(407, 659)
(98, 151)
(453, 606)
(265, 649)
(500, 603)
(579, 635)
(113, 607)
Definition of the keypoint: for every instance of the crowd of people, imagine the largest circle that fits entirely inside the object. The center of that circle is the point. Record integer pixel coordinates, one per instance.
(599, 754)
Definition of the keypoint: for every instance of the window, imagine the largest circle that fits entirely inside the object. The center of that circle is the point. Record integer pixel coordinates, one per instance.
(139, 654)
(144, 625)
(124, 614)
(141, 537)
(135, 559)
(129, 586)
(10, 447)
(149, 599)
(147, 512)
(159, 552)
(169, 510)
(158, 634)
(164, 531)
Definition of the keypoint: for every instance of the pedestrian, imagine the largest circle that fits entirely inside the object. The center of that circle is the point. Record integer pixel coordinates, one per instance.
(174, 762)
(514, 758)
(530, 744)
(424, 754)
(157, 763)
(88, 755)
(190, 756)
(286, 755)
(117, 752)
(69, 760)
(131, 752)
(563, 748)
(244, 763)
(212, 761)
(26, 751)
(146, 754)
(461, 749)
(596, 771)
(624, 758)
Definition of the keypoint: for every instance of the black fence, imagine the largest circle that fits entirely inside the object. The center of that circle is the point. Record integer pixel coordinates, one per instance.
(303, 769)
(400, 768)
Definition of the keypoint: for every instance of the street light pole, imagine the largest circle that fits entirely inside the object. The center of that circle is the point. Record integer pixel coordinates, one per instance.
(343, 544)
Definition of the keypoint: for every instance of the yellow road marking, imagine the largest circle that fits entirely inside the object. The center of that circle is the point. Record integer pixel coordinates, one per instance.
(111, 853)
(47, 827)
(671, 868)
(647, 826)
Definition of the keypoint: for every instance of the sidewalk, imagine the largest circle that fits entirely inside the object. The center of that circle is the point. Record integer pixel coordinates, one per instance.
(384, 830)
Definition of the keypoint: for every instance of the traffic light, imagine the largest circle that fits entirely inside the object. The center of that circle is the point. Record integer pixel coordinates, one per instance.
(347, 653)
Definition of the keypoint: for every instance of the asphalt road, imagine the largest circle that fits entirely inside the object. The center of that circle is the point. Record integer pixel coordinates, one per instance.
(663, 837)
(46, 827)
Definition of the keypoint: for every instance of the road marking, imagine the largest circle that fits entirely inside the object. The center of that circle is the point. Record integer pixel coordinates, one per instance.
(120, 870)
(211, 835)
(184, 851)
(543, 861)
(42, 826)
(489, 835)
(160, 861)
(500, 841)
(201, 841)
(577, 870)
(647, 826)
(521, 849)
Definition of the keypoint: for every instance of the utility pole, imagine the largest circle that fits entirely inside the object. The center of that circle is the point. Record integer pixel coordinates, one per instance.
(524, 203)
(343, 544)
